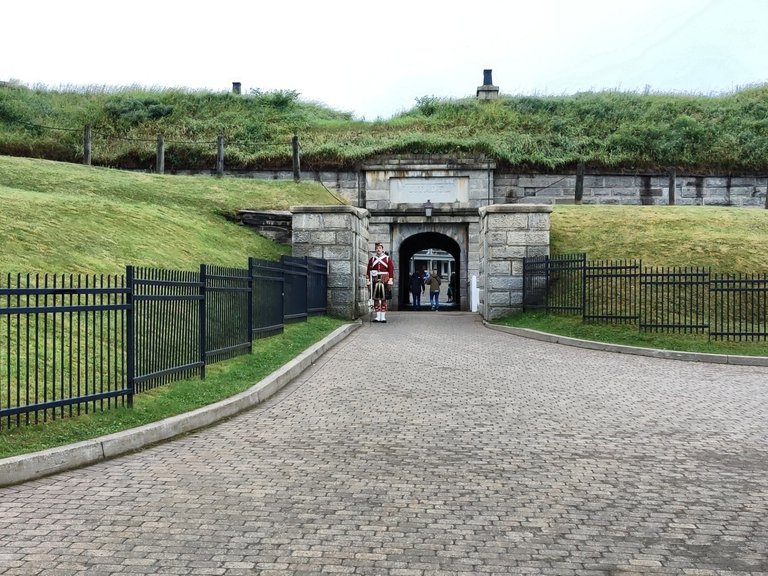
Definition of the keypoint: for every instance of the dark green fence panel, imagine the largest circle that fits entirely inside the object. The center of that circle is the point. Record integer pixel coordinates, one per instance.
(229, 316)
(268, 301)
(680, 299)
(62, 346)
(740, 307)
(317, 286)
(168, 307)
(295, 274)
(554, 283)
(611, 291)
(72, 344)
(674, 300)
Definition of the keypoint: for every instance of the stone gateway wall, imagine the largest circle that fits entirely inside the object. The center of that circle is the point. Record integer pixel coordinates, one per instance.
(340, 235)
(508, 234)
(505, 235)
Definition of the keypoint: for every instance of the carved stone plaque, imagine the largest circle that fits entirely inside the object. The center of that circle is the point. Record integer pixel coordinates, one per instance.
(435, 189)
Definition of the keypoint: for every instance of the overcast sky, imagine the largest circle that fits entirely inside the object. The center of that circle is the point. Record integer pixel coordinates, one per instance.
(375, 59)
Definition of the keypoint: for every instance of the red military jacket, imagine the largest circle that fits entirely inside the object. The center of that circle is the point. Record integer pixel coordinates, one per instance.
(382, 264)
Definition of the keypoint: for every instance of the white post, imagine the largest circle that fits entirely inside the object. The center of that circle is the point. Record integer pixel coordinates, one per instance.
(474, 294)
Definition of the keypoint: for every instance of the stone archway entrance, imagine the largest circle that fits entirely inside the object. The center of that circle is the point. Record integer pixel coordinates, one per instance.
(420, 242)
(411, 202)
(488, 244)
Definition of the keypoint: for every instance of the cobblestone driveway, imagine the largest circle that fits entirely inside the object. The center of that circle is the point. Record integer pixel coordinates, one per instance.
(432, 446)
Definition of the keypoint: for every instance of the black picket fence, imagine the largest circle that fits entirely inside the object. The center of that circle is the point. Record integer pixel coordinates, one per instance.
(679, 300)
(74, 344)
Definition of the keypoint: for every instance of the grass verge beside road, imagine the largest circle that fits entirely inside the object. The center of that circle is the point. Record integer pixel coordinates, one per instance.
(628, 335)
(222, 381)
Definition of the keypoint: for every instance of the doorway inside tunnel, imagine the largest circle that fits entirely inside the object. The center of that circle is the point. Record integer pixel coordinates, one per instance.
(427, 251)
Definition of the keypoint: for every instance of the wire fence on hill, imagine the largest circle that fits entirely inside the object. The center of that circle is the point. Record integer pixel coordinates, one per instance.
(94, 139)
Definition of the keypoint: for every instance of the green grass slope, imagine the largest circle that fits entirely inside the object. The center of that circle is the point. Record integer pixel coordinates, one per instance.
(57, 217)
(723, 239)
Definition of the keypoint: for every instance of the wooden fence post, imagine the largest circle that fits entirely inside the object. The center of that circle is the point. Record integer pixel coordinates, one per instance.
(160, 159)
(579, 193)
(87, 144)
(220, 157)
(672, 185)
(296, 158)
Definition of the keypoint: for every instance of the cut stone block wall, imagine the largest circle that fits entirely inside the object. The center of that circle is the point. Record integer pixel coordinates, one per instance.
(746, 191)
(340, 235)
(489, 185)
(509, 233)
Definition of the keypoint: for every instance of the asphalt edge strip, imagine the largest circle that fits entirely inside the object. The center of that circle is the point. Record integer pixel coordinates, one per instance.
(622, 349)
(26, 467)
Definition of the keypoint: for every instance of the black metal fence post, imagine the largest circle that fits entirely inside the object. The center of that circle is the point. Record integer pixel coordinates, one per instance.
(130, 319)
(584, 288)
(250, 304)
(202, 321)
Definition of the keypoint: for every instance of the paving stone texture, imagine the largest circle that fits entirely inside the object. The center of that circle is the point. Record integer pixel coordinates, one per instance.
(430, 446)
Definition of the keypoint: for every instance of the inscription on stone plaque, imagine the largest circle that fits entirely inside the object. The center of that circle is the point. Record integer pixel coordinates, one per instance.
(436, 189)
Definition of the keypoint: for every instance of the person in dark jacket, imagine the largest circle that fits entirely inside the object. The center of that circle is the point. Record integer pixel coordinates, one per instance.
(417, 289)
(451, 286)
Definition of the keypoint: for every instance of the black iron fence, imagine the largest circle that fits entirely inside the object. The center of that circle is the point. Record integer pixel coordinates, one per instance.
(681, 300)
(73, 344)
(62, 345)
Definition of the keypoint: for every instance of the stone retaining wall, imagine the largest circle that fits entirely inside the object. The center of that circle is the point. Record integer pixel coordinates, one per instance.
(681, 190)
(513, 188)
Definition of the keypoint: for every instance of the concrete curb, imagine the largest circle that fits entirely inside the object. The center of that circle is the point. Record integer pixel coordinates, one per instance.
(652, 352)
(25, 467)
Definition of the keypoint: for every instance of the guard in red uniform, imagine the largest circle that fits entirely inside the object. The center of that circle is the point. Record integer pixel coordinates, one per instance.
(380, 277)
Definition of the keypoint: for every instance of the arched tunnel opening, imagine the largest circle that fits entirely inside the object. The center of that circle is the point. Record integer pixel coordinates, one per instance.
(430, 249)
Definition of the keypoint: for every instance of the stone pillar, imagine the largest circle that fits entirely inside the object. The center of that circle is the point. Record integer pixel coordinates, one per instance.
(509, 233)
(487, 91)
(339, 234)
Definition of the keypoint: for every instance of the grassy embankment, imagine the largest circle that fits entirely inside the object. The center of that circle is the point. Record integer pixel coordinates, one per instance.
(64, 218)
(725, 240)
(618, 131)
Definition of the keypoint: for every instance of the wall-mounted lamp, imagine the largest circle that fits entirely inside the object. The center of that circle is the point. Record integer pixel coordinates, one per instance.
(428, 209)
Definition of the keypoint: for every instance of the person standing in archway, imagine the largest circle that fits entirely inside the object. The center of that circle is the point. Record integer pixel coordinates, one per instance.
(380, 276)
(434, 289)
(416, 286)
